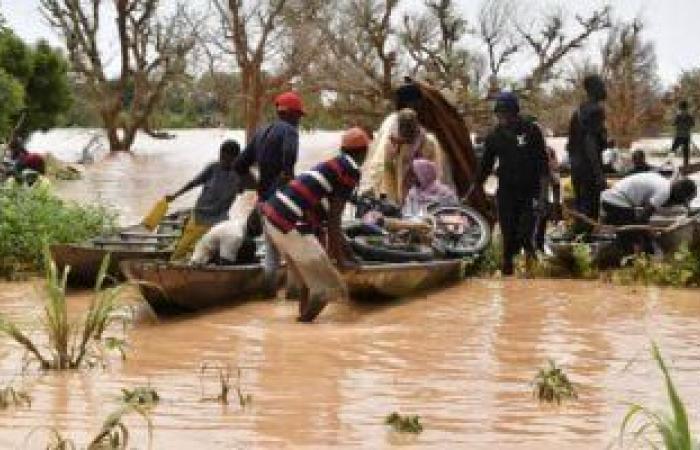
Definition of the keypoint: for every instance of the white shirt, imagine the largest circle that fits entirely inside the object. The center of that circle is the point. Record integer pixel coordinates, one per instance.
(638, 190)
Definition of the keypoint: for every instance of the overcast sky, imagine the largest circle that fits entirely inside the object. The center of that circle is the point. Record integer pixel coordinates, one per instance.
(673, 25)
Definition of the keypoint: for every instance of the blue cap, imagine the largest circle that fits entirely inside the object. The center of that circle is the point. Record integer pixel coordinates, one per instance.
(507, 102)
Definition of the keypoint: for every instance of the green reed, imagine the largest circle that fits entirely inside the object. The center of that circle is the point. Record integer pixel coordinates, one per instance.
(552, 385)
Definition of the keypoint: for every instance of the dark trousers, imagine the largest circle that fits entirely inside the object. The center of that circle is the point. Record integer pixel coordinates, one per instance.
(516, 216)
(619, 216)
(586, 201)
(684, 144)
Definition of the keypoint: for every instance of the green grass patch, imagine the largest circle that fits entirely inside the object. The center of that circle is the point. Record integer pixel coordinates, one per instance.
(32, 217)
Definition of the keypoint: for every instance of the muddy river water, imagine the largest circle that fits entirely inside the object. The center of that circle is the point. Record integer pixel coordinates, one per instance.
(461, 358)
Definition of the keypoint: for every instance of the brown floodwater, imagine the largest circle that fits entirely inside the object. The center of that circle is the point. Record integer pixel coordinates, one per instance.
(462, 358)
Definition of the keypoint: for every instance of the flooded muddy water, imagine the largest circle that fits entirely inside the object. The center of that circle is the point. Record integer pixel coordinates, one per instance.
(462, 358)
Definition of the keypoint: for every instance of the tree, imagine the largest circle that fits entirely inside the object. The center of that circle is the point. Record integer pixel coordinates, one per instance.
(551, 42)
(152, 52)
(269, 41)
(688, 88)
(434, 43)
(359, 61)
(12, 100)
(36, 82)
(630, 72)
(495, 30)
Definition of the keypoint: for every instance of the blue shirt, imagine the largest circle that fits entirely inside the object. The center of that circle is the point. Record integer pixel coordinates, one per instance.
(274, 150)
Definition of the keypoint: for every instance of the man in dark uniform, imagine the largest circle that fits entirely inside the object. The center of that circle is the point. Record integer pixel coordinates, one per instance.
(587, 140)
(522, 173)
(684, 124)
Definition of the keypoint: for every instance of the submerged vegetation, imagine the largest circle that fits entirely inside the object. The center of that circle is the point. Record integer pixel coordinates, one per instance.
(552, 385)
(11, 396)
(660, 430)
(32, 217)
(144, 396)
(680, 270)
(404, 424)
(70, 344)
(223, 376)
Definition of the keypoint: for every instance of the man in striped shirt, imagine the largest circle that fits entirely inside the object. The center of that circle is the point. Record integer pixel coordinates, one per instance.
(313, 202)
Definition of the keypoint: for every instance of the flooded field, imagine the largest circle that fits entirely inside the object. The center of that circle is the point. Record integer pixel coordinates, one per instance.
(461, 358)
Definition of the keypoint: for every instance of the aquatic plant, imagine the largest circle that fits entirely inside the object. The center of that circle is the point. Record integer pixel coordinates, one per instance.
(552, 385)
(11, 396)
(114, 433)
(488, 262)
(224, 379)
(70, 345)
(682, 269)
(404, 424)
(660, 430)
(144, 396)
(31, 217)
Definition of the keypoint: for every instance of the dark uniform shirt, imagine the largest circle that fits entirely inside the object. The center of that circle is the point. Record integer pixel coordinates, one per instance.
(587, 128)
(274, 150)
(521, 153)
(684, 124)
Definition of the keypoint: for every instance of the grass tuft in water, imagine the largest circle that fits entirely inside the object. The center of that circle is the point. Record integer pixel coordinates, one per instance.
(660, 430)
(71, 345)
(404, 424)
(144, 396)
(114, 433)
(552, 385)
(223, 373)
(13, 397)
(680, 270)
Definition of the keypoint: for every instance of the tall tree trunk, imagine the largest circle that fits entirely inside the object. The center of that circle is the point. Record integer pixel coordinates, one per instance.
(253, 94)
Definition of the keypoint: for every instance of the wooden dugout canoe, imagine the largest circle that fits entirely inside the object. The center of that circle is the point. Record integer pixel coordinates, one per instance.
(85, 260)
(175, 287)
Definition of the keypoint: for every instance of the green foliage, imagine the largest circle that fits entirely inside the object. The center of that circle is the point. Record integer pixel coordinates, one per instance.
(31, 217)
(552, 385)
(10, 396)
(404, 424)
(34, 80)
(680, 270)
(114, 434)
(12, 101)
(671, 432)
(69, 344)
(579, 265)
(48, 93)
(144, 396)
(488, 262)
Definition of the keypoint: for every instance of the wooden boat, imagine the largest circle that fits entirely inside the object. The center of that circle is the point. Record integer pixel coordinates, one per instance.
(85, 259)
(175, 287)
(685, 233)
(130, 243)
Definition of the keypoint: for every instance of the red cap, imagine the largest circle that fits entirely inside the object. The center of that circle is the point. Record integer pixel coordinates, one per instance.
(289, 101)
(355, 139)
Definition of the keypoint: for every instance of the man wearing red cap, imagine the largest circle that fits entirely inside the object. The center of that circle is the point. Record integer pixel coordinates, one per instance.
(309, 204)
(273, 149)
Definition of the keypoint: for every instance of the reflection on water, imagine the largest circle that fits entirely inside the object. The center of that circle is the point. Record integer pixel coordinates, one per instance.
(461, 358)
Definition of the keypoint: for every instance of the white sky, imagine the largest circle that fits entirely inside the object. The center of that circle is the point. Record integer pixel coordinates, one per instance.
(673, 25)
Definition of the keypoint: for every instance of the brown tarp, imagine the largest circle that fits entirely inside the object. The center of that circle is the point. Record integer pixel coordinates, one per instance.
(442, 119)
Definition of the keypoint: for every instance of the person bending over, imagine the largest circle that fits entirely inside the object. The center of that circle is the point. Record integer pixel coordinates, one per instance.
(294, 216)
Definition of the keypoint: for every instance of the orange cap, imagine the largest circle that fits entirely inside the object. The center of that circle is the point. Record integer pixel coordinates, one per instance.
(289, 101)
(355, 139)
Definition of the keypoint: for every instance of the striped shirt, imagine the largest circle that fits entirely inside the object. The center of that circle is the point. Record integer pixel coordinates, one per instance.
(302, 199)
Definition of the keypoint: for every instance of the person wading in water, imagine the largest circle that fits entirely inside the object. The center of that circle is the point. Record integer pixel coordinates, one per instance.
(274, 149)
(294, 216)
(587, 140)
(519, 147)
(684, 124)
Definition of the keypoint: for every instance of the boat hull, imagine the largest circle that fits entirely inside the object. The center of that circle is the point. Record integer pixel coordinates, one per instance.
(171, 287)
(85, 261)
